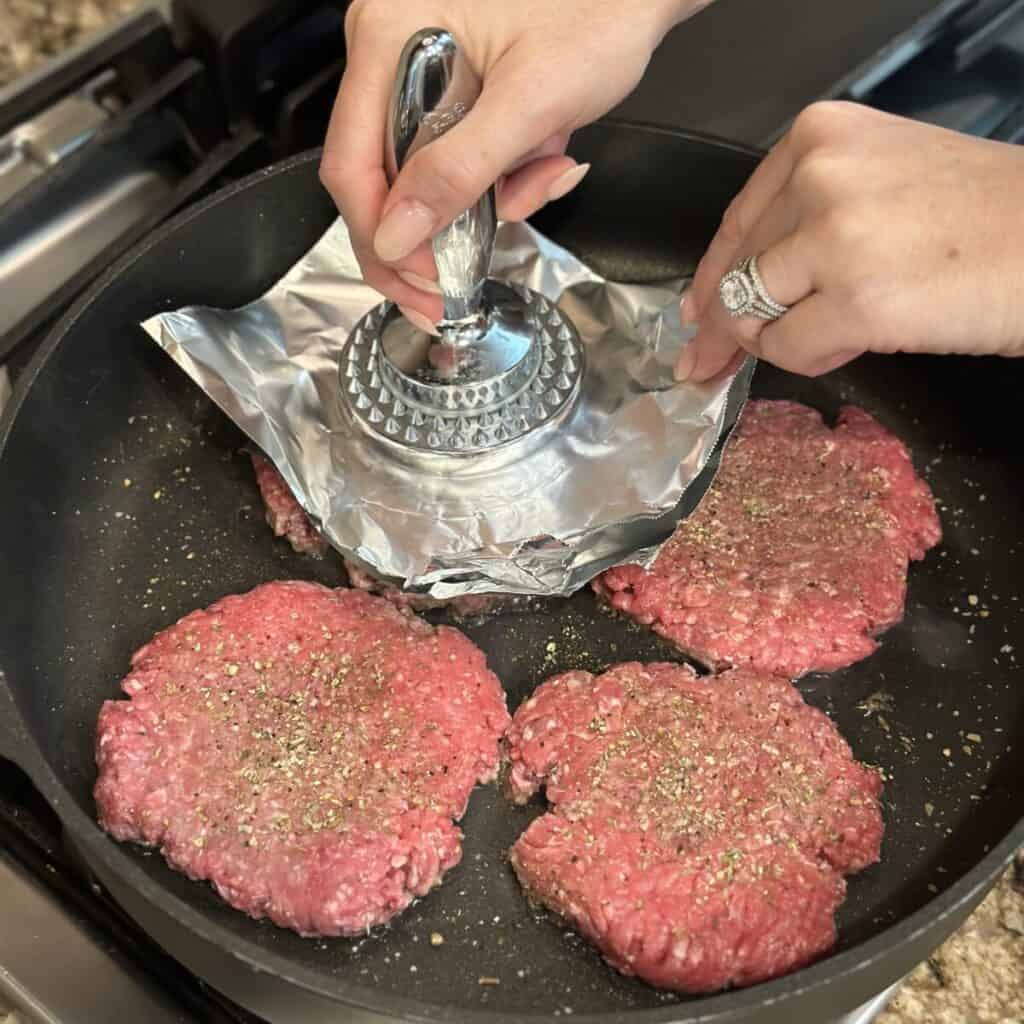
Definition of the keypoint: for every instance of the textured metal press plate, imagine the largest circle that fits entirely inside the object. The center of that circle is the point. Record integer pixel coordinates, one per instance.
(463, 418)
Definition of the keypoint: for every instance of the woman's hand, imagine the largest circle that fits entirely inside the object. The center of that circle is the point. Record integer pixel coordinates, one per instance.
(547, 69)
(882, 234)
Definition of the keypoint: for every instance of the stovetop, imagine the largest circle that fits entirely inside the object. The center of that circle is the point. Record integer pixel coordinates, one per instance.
(53, 911)
(103, 145)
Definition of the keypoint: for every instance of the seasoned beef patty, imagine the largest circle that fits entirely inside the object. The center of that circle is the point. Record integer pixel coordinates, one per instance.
(287, 519)
(285, 516)
(303, 749)
(797, 556)
(700, 828)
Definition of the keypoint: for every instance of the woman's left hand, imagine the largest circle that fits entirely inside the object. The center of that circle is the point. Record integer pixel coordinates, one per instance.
(881, 234)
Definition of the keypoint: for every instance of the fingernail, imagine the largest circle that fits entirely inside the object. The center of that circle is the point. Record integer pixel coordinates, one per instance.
(566, 182)
(424, 323)
(686, 362)
(688, 310)
(404, 226)
(418, 281)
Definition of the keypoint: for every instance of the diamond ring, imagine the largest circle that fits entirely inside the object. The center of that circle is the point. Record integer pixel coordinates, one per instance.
(743, 293)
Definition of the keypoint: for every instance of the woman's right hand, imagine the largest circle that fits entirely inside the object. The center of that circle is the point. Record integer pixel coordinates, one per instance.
(547, 69)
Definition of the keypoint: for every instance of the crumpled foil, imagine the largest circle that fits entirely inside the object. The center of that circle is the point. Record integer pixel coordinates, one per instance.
(607, 487)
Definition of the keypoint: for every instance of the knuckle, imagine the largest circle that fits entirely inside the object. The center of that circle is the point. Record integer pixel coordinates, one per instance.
(742, 333)
(378, 277)
(356, 15)
(352, 17)
(843, 228)
(817, 173)
(733, 228)
(551, 109)
(375, 17)
(328, 175)
(452, 177)
(333, 175)
(780, 349)
(822, 121)
(747, 332)
(777, 271)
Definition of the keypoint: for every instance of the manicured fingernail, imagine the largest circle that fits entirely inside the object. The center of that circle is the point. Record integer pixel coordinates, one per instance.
(417, 281)
(686, 362)
(424, 323)
(404, 226)
(565, 183)
(688, 310)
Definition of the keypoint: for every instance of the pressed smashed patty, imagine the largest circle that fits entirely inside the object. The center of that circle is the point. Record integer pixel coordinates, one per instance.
(700, 827)
(285, 516)
(303, 749)
(797, 556)
(287, 519)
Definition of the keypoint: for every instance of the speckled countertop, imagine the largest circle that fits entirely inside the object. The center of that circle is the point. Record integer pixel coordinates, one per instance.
(33, 30)
(977, 977)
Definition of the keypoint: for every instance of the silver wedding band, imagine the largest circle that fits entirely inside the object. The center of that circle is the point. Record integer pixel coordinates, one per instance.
(743, 293)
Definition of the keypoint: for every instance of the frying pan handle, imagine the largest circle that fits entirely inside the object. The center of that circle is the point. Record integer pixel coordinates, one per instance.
(434, 89)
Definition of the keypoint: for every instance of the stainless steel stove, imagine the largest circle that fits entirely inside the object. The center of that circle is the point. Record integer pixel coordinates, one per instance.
(103, 145)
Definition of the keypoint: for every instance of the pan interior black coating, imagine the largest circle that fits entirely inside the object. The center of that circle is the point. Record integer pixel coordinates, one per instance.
(126, 503)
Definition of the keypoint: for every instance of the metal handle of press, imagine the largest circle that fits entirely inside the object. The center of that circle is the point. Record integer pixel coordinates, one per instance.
(435, 87)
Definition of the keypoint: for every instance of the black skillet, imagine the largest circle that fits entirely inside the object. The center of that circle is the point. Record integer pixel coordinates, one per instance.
(125, 503)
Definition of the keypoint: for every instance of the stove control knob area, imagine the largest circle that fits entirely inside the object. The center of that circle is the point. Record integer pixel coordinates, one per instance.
(505, 362)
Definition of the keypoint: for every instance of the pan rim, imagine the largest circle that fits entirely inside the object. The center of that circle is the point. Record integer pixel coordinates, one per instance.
(732, 1005)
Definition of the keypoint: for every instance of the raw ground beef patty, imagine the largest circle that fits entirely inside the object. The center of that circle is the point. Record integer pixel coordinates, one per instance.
(303, 749)
(287, 519)
(285, 516)
(700, 827)
(797, 556)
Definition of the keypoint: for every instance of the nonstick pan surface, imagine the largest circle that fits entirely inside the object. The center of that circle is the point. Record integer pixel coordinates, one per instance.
(126, 502)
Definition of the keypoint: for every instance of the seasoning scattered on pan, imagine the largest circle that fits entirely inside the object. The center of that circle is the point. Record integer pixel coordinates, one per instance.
(700, 827)
(303, 749)
(797, 557)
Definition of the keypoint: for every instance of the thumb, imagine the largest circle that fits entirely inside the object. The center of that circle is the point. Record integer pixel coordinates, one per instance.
(512, 116)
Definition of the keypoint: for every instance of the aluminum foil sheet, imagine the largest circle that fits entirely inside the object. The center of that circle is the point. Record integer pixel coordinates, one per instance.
(606, 487)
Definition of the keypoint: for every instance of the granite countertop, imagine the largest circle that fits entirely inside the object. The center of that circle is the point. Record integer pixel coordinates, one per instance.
(977, 977)
(33, 30)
